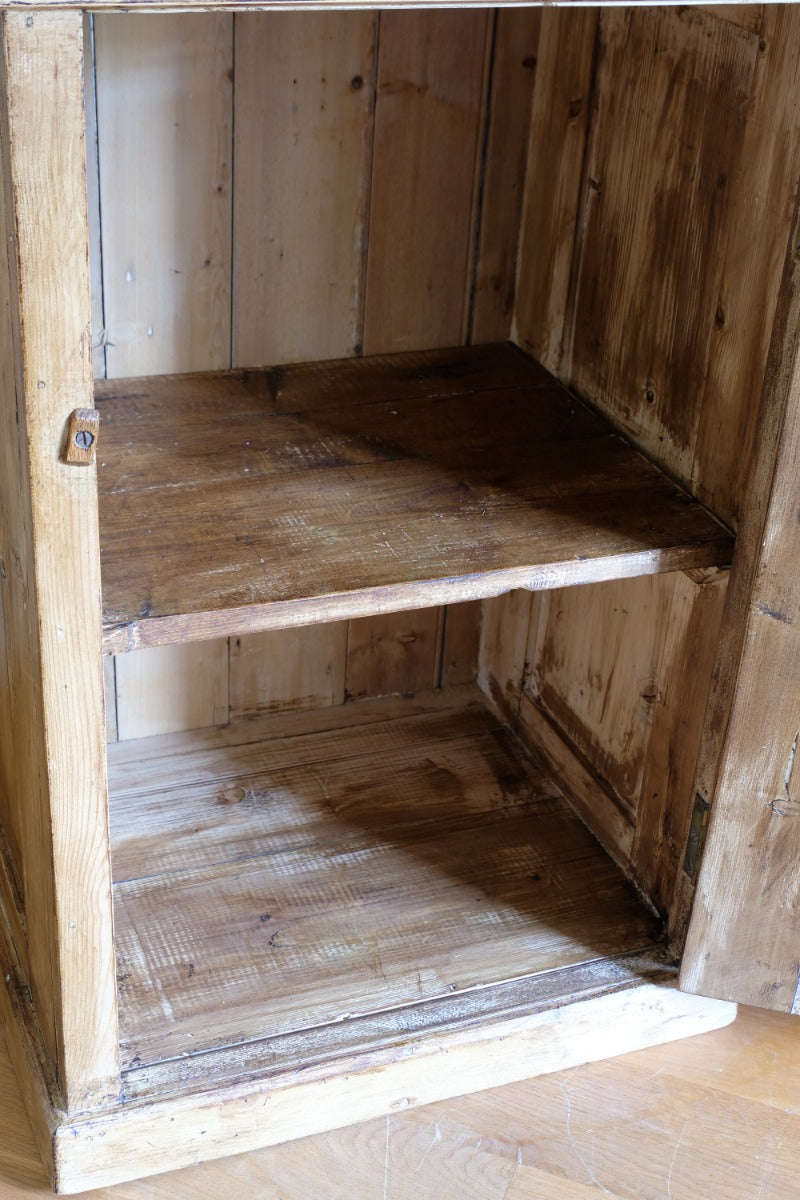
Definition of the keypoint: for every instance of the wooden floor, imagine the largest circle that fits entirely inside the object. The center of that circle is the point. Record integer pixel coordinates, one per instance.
(715, 1117)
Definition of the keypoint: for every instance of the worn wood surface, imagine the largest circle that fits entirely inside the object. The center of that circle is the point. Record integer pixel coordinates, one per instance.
(165, 155)
(501, 184)
(425, 175)
(378, 507)
(744, 932)
(52, 707)
(268, 885)
(723, 1108)
(553, 187)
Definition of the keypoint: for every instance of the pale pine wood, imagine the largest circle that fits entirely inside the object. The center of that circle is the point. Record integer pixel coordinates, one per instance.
(165, 106)
(514, 59)
(283, 670)
(303, 158)
(55, 702)
(558, 128)
(735, 944)
(164, 103)
(723, 1108)
(430, 104)
(304, 98)
(428, 136)
(370, 518)
(171, 688)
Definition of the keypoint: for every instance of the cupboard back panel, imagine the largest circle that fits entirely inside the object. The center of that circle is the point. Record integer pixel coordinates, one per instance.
(291, 187)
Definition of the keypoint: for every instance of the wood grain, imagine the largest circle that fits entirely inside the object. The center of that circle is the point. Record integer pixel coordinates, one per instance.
(665, 158)
(52, 709)
(164, 109)
(723, 1108)
(303, 157)
(376, 508)
(428, 135)
(552, 204)
(513, 71)
(400, 806)
(737, 944)
(282, 670)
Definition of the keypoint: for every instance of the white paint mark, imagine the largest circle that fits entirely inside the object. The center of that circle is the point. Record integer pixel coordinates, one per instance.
(149, 330)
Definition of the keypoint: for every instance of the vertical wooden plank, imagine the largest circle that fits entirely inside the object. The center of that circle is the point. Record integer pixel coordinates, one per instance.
(305, 85)
(172, 688)
(745, 928)
(304, 94)
(110, 694)
(556, 150)
(759, 222)
(164, 121)
(428, 135)
(93, 190)
(396, 653)
(666, 796)
(165, 110)
(513, 71)
(673, 96)
(461, 643)
(288, 669)
(502, 657)
(596, 661)
(55, 693)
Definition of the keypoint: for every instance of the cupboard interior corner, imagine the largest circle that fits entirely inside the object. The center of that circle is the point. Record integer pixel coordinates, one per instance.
(596, 187)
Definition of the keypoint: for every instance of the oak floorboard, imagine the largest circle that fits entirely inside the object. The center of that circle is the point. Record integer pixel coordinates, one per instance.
(716, 1116)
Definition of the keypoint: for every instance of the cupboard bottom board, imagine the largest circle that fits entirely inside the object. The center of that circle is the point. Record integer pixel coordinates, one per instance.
(271, 879)
(327, 917)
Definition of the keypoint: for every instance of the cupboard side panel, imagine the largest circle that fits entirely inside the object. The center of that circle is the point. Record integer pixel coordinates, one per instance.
(744, 933)
(164, 118)
(656, 287)
(56, 685)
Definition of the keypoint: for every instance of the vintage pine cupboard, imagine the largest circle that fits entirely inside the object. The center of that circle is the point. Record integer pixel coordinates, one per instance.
(300, 661)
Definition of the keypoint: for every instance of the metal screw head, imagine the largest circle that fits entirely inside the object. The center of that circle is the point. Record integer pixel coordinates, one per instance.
(84, 439)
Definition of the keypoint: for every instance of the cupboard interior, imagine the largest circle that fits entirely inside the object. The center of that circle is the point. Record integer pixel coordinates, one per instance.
(404, 182)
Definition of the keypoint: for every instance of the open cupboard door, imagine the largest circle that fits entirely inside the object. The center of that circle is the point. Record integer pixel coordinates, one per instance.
(744, 936)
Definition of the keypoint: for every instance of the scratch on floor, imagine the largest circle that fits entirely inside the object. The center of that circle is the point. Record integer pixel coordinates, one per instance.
(573, 1147)
(437, 1137)
(386, 1161)
(674, 1157)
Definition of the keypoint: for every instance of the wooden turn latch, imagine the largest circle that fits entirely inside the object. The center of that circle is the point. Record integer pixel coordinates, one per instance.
(84, 425)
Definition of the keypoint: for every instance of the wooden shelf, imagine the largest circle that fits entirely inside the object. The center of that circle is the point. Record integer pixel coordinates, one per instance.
(263, 499)
(294, 872)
